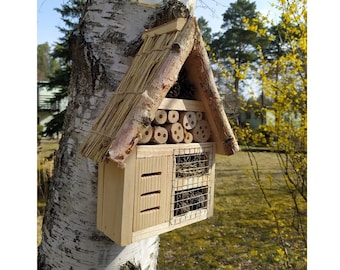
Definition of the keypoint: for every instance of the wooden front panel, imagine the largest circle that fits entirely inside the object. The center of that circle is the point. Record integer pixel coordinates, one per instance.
(152, 191)
(115, 200)
(110, 200)
(192, 183)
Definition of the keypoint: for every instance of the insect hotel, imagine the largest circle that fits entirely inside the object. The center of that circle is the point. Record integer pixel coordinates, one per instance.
(156, 140)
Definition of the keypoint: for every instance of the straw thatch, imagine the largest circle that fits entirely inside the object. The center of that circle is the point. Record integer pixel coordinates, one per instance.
(153, 71)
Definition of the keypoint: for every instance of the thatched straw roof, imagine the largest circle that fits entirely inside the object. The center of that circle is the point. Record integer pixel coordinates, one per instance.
(153, 71)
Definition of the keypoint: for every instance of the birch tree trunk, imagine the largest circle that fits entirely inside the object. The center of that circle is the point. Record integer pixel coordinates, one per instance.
(102, 49)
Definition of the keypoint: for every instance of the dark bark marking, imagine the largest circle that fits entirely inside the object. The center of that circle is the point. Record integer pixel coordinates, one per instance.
(130, 266)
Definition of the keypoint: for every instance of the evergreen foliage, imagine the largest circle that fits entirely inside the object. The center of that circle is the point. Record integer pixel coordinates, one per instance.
(46, 65)
(70, 13)
(234, 51)
(205, 30)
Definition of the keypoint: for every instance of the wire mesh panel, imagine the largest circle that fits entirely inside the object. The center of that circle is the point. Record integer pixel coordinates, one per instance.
(190, 200)
(191, 183)
(194, 164)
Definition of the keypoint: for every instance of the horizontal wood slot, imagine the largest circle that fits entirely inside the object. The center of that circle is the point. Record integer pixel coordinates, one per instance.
(147, 217)
(150, 200)
(151, 174)
(150, 209)
(151, 193)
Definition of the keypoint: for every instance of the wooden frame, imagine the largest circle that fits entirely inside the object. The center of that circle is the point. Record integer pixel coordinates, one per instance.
(156, 148)
(137, 202)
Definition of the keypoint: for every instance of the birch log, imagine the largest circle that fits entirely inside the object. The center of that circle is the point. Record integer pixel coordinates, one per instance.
(201, 132)
(188, 137)
(199, 116)
(173, 116)
(188, 119)
(146, 135)
(160, 135)
(160, 117)
(176, 133)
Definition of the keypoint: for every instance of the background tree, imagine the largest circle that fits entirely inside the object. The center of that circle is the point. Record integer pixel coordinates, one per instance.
(60, 77)
(205, 30)
(235, 50)
(101, 52)
(283, 77)
(46, 65)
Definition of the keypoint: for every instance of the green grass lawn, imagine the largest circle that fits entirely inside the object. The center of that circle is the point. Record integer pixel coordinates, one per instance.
(242, 233)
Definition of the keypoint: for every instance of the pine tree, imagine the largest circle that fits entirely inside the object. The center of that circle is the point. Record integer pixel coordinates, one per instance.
(235, 50)
(70, 13)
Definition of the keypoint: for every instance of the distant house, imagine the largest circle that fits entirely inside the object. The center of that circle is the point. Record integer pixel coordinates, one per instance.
(46, 108)
(254, 119)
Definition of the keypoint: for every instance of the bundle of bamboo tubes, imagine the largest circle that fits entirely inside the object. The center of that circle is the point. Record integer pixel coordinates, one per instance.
(171, 126)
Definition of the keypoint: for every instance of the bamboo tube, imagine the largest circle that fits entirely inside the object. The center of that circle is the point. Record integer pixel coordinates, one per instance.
(160, 117)
(160, 135)
(188, 119)
(147, 135)
(176, 133)
(201, 132)
(199, 116)
(173, 117)
(188, 137)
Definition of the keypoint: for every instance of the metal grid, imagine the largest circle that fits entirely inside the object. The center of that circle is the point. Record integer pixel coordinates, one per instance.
(190, 200)
(195, 164)
(191, 183)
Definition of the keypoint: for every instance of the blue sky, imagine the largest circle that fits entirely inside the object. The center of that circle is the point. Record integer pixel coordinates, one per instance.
(48, 19)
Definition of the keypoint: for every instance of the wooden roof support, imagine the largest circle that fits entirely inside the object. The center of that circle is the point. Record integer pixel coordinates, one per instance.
(203, 80)
(142, 115)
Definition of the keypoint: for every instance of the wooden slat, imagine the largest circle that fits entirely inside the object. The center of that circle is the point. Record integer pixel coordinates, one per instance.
(144, 151)
(100, 197)
(152, 191)
(112, 198)
(177, 104)
(115, 200)
(177, 222)
(175, 25)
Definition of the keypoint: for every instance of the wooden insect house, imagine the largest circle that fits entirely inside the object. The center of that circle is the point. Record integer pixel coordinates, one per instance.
(156, 139)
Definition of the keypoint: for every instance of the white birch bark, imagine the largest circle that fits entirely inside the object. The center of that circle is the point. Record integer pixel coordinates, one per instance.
(70, 239)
